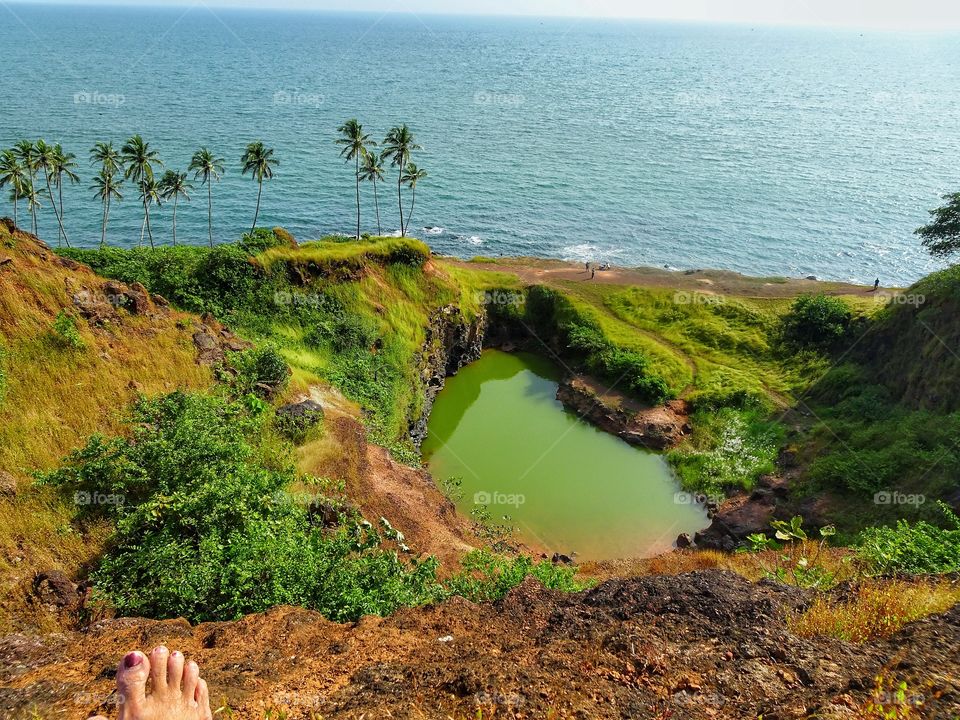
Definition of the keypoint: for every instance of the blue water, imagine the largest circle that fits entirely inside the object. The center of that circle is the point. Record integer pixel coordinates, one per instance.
(764, 150)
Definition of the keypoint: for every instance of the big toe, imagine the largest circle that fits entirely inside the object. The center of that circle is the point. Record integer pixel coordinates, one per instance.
(132, 674)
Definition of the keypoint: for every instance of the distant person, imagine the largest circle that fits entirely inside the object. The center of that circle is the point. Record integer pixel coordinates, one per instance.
(593, 274)
(586, 265)
(876, 285)
(176, 690)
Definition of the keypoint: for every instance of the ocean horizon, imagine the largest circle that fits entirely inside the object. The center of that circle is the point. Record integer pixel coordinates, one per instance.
(760, 149)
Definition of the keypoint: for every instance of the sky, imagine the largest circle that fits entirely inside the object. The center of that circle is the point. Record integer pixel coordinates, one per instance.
(884, 14)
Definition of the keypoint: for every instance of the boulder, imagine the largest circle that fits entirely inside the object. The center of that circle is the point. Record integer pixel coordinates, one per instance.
(54, 590)
(684, 541)
(735, 521)
(8, 484)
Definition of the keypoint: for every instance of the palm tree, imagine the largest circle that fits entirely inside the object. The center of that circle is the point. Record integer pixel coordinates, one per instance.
(174, 184)
(104, 154)
(372, 170)
(258, 160)
(62, 167)
(12, 173)
(411, 176)
(139, 160)
(149, 194)
(208, 166)
(107, 189)
(355, 144)
(397, 147)
(32, 196)
(46, 160)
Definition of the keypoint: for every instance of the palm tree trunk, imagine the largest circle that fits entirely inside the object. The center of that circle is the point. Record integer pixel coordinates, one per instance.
(357, 178)
(103, 224)
(16, 205)
(106, 219)
(62, 229)
(146, 217)
(143, 230)
(210, 211)
(56, 212)
(175, 199)
(256, 214)
(376, 201)
(413, 203)
(403, 231)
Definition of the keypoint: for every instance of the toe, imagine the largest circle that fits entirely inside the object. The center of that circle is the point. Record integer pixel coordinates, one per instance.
(175, 671)
(203, 698)
(132, 674)
(158, 668)
(191, 675)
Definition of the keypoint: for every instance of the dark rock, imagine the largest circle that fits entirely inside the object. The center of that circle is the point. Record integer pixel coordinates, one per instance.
(736, 520)
(308, 409)
(5, 261)
(684, 541)
(54, 589)
(659, 428)
(561, 559)
(451, 343)
(8, 484)
(139, 299)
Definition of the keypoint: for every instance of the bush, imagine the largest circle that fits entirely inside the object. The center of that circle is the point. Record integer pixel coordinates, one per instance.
(344, 333)
(66, 333)
(915, 549)
(262, 239)
(261, 371)
(204, 530)
(816, 320)
(487, 576)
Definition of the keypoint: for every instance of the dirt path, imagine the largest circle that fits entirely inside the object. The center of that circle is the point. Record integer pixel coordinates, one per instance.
(534, 270)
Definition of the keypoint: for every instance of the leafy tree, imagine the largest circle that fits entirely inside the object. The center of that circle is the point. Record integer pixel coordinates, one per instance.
(12, 174)
(149, 195)
(208, 168)
(258, 160)
(398, 147)
(356, 146)
(62, 169)
(371, 170)
(139, 160)
(817, 320)
(411, 176)
(941, 237)
(107, 190)
(26, 153)
(46, 158)
(174, 184)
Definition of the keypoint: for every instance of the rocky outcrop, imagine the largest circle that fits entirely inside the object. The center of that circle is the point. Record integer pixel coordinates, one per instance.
(452, 342)
(659, 428)
(214, 340)
(747, 514)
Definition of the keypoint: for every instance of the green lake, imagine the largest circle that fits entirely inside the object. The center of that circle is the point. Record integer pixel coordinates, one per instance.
(561, 483)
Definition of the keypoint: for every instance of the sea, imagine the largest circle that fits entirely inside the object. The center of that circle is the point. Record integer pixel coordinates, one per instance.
(767, 150)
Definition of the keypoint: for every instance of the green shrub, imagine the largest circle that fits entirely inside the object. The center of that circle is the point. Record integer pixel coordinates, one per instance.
(301, 426)
(260, 371)
(487, 576)
(344, 333)
(916, 549)
(263, 239)
(66, 333)
(204, 530)
(816, 320)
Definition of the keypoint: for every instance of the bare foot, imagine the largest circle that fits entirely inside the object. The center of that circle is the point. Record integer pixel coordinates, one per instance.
(176, 690)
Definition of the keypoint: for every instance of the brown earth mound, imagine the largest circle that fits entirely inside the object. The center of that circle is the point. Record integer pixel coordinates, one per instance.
(701, 645)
